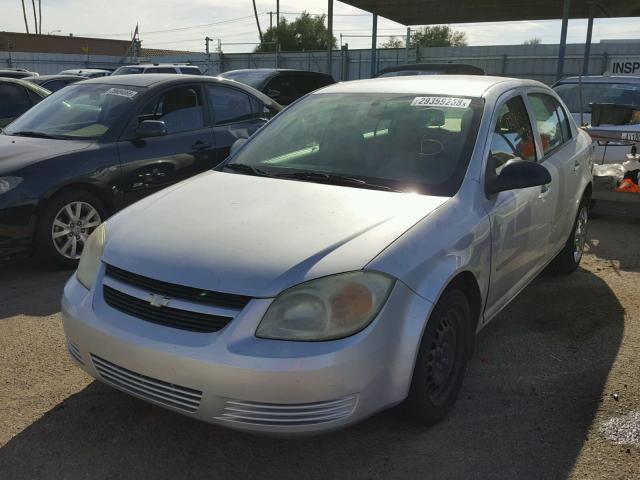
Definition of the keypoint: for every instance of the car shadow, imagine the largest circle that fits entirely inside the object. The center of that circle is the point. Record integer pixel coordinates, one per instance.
(23, 279)
(525, 410)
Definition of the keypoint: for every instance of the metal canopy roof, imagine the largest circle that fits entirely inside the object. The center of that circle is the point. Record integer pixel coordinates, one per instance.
(431, 12)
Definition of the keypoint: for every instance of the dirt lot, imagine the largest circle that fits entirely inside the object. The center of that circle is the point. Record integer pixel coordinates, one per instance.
(550, 379)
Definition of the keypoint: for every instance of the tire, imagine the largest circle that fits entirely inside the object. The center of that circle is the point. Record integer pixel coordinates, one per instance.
(440, 366)
(569, 258)
(59, 218)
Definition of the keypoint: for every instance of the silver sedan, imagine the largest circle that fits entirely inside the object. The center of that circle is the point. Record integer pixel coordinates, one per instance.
(341, 260)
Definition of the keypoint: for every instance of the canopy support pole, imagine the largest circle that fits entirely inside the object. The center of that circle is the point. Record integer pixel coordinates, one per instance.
(374, 44)
(329, 35)
(566, 8)
(587, 45)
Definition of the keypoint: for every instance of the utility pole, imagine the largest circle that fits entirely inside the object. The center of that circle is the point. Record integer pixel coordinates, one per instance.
(270, 20)
(206, 42)
(277, 14)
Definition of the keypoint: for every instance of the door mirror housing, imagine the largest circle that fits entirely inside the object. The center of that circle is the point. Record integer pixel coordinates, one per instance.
(151, 128)
(235, 146)
(517, 175)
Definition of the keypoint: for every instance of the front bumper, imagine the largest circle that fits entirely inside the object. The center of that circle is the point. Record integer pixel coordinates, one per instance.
(234, 379)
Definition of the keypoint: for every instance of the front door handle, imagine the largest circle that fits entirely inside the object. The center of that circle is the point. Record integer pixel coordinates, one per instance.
(544, 191)
(200, 145)
(576, 164)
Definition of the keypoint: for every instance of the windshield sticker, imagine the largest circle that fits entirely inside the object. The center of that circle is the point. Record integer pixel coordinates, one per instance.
(121, 92)
(454, 102)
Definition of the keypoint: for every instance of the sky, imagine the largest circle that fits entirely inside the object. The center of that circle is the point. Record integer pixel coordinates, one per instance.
(183, 24)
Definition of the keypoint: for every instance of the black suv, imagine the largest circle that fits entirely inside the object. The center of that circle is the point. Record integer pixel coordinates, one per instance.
(284, 86)
(97, 146)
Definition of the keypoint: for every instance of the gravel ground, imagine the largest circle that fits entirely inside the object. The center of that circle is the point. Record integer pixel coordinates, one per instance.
(553, 392)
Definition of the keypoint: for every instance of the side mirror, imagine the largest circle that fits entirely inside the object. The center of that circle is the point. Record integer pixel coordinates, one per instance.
(151, 128)
(517, 175)
(273, 93)
(235, 146)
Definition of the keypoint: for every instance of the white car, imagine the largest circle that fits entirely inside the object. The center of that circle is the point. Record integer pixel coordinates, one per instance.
(622, 90)
(339, 262)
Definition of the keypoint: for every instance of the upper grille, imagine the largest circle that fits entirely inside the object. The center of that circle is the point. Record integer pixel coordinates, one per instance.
(173, 290)
(273, 414)
(167, 316)
(166, 393)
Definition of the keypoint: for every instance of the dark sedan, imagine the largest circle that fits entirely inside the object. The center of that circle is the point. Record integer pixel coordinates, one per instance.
(16, 97)
(53, 83)
(283, 85)
(16, 73)
(97, 146)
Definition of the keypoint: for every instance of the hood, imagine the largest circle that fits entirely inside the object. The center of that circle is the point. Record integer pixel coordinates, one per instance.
(257, 236)
(20, 152)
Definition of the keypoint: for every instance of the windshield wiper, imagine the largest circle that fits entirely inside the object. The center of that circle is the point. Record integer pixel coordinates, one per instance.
(333, 179)
(248, 169)
(34, 134)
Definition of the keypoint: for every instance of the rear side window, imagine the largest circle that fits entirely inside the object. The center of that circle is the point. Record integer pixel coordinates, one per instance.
(160, 70)
(14, 100)
(54, 85)
(512, 138)
(190, 70)
(552, 123)
(229, 105)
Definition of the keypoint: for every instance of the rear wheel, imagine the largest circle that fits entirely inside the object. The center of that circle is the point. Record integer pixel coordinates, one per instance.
(66, 223)
(569, 258)
(442, 360)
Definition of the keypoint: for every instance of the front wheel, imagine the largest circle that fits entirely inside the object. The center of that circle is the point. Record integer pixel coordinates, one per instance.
(442, 360)
(569, 258)
(65, 224)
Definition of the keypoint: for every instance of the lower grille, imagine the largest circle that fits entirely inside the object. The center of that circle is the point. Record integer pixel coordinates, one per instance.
(167, 316)
(176, 396)
(74, 351)
(271, 414)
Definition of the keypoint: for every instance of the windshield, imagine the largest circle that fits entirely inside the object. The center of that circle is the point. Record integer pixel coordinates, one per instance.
(127, 71)
(253, 79)
(405, 142)
(619, 93)
(77, 111)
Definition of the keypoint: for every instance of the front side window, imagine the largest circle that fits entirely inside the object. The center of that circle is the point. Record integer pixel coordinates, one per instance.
(78, 111)
(160, 70)
(180, 109)
(229, 105)
(512, 138)
(13, 100)
(546, 113)
(406, 142)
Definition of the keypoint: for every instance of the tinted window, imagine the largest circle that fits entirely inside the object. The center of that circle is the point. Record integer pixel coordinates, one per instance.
(284, 86)
(417, 143)
(180, 109)
(546, 113)
(229, 105)
(34, 97)
(160, 70)
(190, 70)
(54, 85)
(14, 100)
(513, 137)
(252, 78)
(260, 109)
(620, 93)
(128, 70)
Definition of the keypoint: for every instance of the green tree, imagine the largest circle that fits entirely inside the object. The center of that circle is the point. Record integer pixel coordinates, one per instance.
(438, 36)
(305, 33)
(393, 42)
(532, 41)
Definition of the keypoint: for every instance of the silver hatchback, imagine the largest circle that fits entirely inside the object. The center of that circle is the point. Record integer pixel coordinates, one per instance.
(339, 262)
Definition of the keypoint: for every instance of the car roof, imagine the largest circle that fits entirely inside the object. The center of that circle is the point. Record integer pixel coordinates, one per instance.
(24, 83)
(54, 77)
(161, 79)
(601, 79)
(86, 70)
(160, 65)
(463, 85)
(428, 66)
(273, 71)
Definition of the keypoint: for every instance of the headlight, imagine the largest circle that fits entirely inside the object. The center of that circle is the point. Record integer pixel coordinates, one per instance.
(9, 183)
(327, 308)
(91, 256)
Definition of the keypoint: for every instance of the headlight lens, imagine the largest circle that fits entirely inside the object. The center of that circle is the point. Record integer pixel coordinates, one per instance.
(327, 308)
(91, 256)
(9, 183)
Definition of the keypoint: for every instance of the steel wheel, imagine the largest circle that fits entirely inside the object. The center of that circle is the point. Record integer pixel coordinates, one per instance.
(72, 226)
(580, 234)
(443, 355)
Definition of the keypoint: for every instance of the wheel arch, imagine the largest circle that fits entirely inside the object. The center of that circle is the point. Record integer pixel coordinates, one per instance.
(85, 186)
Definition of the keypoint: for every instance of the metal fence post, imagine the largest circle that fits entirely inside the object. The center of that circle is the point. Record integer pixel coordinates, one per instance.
(504, 65)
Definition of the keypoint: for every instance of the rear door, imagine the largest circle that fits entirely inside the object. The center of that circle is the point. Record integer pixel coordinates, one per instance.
(14, 101)
(519, 227)
(235, 114)
(188, 148)
(557, 145)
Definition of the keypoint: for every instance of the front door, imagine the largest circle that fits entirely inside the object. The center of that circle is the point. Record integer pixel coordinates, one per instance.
(151, 164)
(519, 227)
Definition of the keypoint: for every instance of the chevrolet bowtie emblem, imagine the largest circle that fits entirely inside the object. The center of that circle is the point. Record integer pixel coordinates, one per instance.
(158, 300)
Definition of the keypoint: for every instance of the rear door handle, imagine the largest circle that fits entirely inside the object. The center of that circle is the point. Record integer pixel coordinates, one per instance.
(200, 145)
